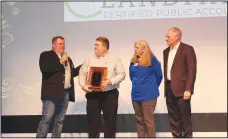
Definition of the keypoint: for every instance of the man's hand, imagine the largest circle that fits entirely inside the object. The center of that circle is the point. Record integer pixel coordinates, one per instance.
(187, 95)
(106, 83)
(63, 59)
(86, 88)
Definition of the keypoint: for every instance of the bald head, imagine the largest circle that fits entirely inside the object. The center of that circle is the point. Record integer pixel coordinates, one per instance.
(173, 36)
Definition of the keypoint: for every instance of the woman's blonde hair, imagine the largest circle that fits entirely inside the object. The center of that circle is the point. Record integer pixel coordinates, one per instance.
(145, 58)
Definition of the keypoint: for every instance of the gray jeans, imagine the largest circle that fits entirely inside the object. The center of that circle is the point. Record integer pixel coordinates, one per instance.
(144, 114)
(53, 109)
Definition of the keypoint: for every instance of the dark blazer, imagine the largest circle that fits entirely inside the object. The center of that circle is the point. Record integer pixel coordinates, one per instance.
(183, 71)
(53, 76)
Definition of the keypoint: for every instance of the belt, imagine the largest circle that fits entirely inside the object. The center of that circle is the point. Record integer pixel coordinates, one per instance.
(66, 89)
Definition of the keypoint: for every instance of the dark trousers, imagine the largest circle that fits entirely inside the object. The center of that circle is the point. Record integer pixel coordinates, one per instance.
(144, 114)
(108, 103)
(179, 113)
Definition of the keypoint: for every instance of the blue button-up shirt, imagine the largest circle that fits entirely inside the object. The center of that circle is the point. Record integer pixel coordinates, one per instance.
(145, 80)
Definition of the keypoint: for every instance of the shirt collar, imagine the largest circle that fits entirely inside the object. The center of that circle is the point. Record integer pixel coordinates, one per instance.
(176, 46)
(58, 54)
(102, 56)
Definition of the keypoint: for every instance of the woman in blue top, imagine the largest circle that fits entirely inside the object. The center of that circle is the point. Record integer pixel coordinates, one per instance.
(146, 76)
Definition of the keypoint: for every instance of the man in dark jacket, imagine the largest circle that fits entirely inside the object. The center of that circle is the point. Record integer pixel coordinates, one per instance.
(57, 87)
(180, 68)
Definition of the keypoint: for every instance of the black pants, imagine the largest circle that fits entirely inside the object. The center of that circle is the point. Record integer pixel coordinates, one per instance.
(108, 103)
(179, 112)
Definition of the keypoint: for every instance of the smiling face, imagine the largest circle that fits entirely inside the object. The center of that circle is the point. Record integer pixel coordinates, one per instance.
(59, 45)
(99, 48)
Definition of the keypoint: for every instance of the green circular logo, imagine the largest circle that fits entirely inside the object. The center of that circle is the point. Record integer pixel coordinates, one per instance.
(85, 16)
